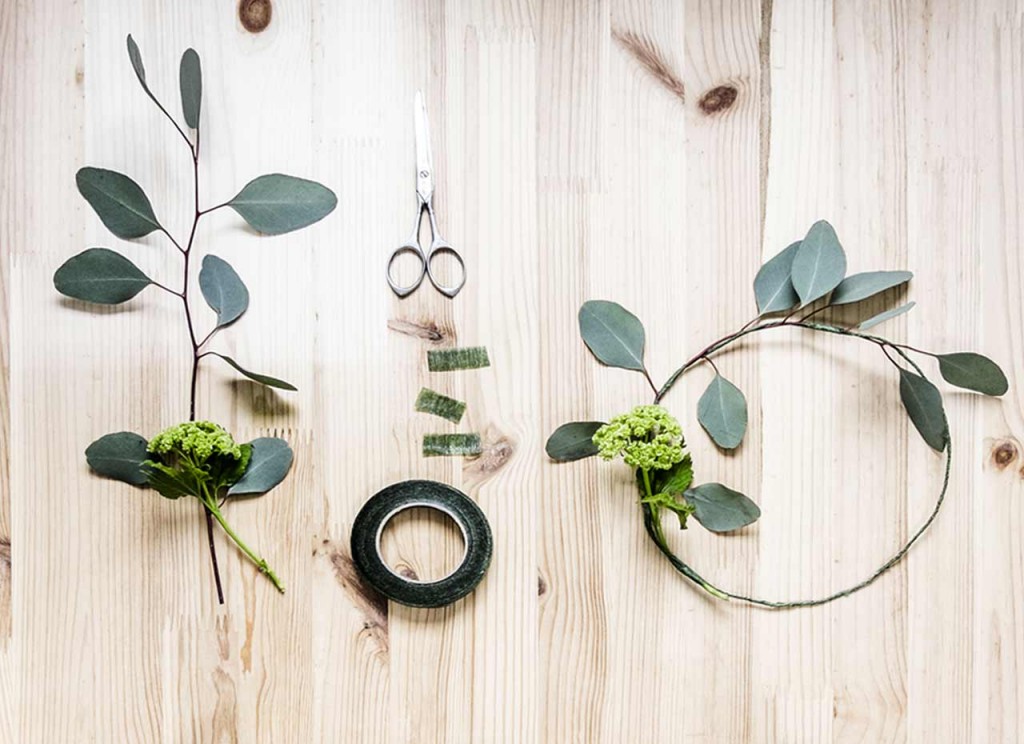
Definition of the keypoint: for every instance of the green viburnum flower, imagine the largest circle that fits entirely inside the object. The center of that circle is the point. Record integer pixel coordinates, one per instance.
(648, 437)
(201, 459)
(197, 440)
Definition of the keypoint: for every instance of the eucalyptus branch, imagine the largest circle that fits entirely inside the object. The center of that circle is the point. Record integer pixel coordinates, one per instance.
(196, 458)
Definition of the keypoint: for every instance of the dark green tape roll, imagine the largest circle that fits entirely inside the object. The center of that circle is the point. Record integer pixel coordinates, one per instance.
(384, 505)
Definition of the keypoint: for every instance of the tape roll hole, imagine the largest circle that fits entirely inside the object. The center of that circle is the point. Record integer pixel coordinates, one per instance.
(421, 543)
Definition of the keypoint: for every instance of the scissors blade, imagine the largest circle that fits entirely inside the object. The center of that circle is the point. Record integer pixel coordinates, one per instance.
(424, 156)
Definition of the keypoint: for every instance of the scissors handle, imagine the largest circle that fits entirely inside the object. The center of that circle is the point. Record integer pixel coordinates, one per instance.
(440, 247)
(413, 248)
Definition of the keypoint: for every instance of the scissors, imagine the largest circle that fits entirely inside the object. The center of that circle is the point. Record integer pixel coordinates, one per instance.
(425, 195)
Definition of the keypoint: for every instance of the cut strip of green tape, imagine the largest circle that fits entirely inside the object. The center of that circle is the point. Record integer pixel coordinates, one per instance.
(448, 445)
(440, 405)
(446, 360)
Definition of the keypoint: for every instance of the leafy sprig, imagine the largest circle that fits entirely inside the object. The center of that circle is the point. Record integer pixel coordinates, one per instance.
(808, 275)
(271, 204)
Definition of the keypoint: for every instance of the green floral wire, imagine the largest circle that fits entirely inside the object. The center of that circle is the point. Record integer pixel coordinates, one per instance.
(652, 522)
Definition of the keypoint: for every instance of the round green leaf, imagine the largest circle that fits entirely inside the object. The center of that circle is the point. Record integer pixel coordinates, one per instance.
(223, 290)
(190, 78)
(613, 334)
(882, 317)
(100, 275)
(573, 441)
(118, 201)
(972, 371)
(924, 406)
(773, 285)
(269, 464)
(721, 509)
(722, 411)
(819, 264)
(867, 284)
(119, 456)
(276, 203)
(262, 379)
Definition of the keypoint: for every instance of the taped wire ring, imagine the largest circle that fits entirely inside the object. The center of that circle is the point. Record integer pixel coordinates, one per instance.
(386, 504)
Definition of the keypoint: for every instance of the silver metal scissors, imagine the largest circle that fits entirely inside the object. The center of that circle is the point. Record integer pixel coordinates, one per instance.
(425, 195)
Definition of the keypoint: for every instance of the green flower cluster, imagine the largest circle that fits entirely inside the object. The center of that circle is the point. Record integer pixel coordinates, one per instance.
(197, 440)
(648, 437)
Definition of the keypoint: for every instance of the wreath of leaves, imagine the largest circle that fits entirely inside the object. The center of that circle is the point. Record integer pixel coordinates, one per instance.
(810, 276)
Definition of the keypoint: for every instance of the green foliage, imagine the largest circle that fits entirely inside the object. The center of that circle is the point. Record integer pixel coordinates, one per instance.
(819, 264)
(867, 284)
(573, 441)
(135, 57)
(118, 201)
(924, 406)
(675, 480)
(276, 204)
(773, 285)
(119, 456)
(647, 438)
(190, 81)
(100, 275)
(805, 272)
(270, 462)
(613, 334)
(722, 411)
(884, 316)
(197, 459)
(972, 371)
(721, 509)
(223, 290)
(255, 376)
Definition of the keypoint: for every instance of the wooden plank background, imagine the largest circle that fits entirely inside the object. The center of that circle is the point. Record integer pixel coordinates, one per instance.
(649, 152)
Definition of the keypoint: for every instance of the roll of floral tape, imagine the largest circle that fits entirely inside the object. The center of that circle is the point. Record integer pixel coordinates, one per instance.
(384, 506)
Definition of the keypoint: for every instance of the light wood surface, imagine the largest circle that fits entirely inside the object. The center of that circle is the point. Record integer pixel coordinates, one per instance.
(649, 152)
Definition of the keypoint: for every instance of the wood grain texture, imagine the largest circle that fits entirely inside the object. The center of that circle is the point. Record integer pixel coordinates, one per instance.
(643, 151)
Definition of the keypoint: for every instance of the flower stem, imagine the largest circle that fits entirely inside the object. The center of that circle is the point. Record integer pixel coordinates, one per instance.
(261, 564)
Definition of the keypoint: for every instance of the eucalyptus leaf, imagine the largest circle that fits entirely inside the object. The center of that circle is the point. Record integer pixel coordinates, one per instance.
(613, 334)
(820, 263)
(720, 509)
(887, 315)
(276, 204)
(262, 379)
(573, 441)
(100, 275)
(223, 290)
(972, 371)
(119, 456)
(190, 78)
(773, 285)
(722, 411)
(269, 464)
(136, 59)
(924, 406)
(867, 284)
(118, 201)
